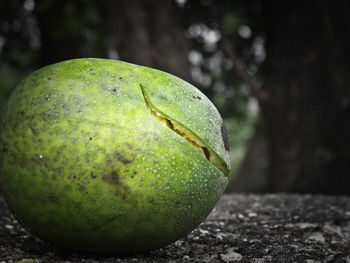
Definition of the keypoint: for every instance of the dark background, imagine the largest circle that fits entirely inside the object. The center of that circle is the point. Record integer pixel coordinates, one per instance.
(278, 72)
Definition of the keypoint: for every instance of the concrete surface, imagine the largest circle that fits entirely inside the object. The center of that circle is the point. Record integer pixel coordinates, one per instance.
(242, 228)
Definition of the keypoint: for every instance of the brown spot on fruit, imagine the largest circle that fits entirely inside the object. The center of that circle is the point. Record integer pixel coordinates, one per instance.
(225, 137)
(112, 178)
(123, 159)
(118, 187)
(35, 131)
(52, 199)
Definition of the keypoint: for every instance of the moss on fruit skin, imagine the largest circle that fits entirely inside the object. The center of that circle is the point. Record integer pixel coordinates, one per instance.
(84, 165)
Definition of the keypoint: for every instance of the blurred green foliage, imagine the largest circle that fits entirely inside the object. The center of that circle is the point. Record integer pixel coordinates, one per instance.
(243, 24)
(241, 131)
(8, 80)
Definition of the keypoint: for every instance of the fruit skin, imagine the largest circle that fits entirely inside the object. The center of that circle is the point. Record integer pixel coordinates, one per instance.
(85, 166)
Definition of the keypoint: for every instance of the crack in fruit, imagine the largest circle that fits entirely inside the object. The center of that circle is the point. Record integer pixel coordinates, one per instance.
(189, 136)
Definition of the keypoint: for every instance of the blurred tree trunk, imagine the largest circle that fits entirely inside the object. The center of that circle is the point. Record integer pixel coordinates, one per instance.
(149, 33)
(69, 29)
(308, 82)
(57, 45)
(251, 175)
(144, 32)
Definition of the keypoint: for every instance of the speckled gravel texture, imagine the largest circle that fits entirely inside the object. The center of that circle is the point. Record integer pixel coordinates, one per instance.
(242, 228)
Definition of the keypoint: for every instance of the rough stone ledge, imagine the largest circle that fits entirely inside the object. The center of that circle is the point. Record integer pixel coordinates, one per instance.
(242, 228)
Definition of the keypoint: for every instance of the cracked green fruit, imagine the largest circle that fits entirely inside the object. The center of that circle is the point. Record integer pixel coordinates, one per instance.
(109, 157)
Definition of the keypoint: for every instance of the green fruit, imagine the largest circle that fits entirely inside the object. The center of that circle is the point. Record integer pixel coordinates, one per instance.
(104, 156)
